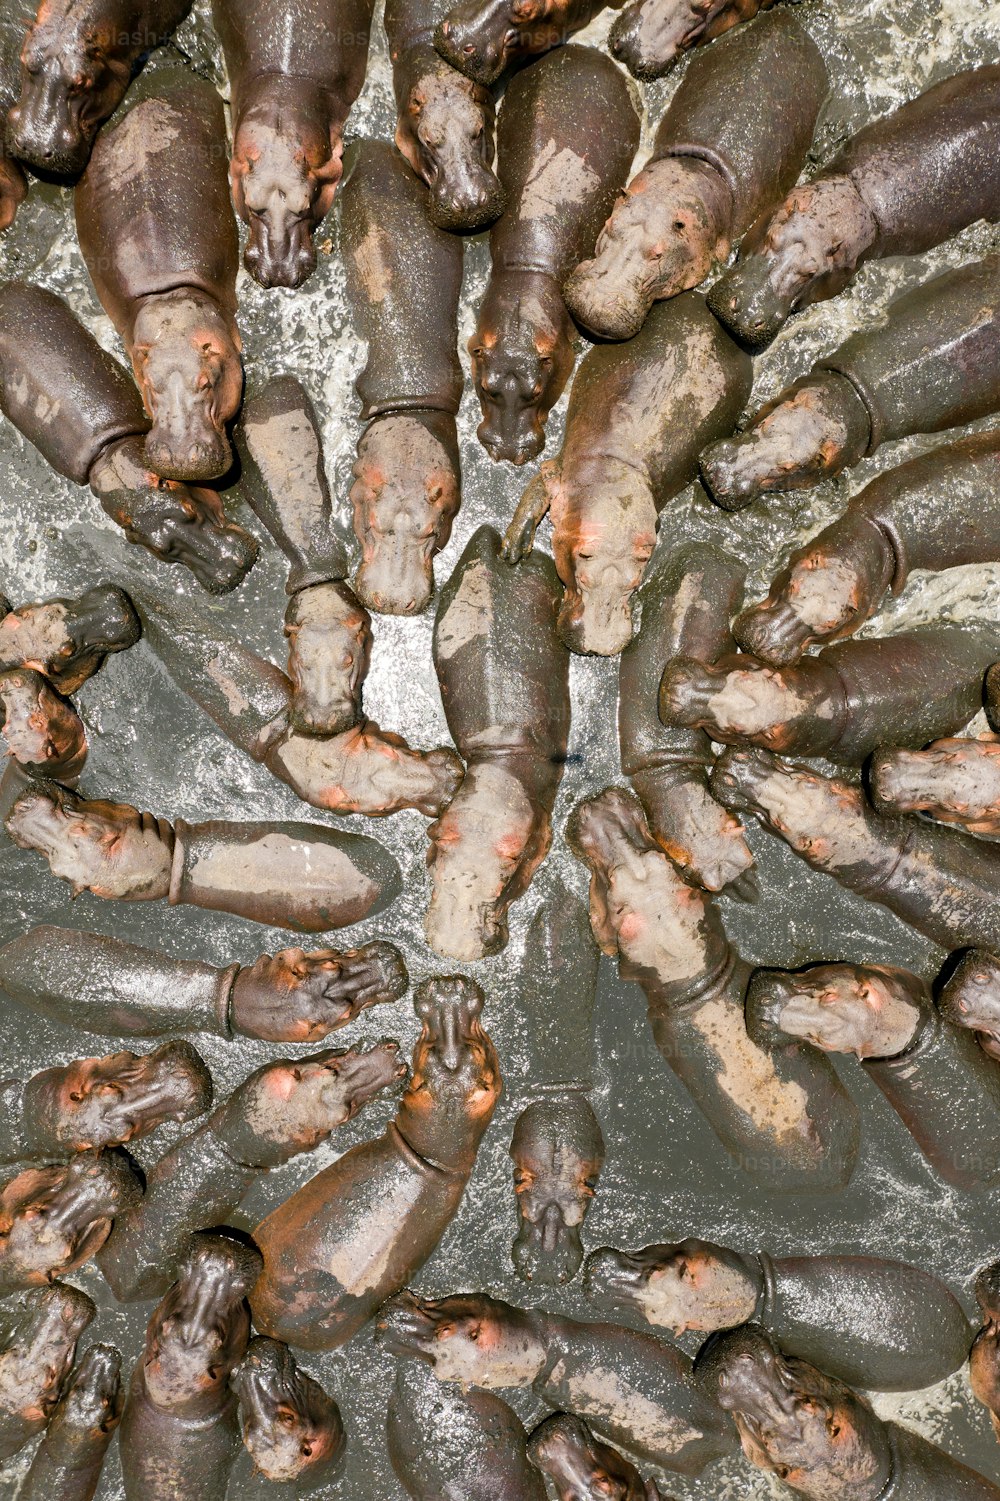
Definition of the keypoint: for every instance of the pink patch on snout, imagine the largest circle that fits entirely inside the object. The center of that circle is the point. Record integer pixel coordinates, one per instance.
(632, 926)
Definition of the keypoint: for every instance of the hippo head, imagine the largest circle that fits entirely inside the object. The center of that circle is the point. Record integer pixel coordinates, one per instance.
(293, 996)
(74, 72)
(446, 132)
(872, 1011)
(53, 1219)
(558, 1153)
(649, 39)
(808, 251)
(984, 1360)
(93, 1401)
(38, 1355)
(291, 1427)
(199, 1332)
(110, 849)
(284, 173)
(406, 491)
(177, 523)
(690, 1285)
(480, 37)
(104, 1102)
(329, 636)
(67, 639)
(292, 1105)
(13, 188)
(603, 533)
(814, 1433)
(971, 998)
(186, 357)
(522, 355)
(579, 1466)
(43, 732)
(455, 1082)
(470, 1338)
(609, 829)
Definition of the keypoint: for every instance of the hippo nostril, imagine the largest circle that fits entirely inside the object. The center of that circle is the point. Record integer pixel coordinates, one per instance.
(469, 49)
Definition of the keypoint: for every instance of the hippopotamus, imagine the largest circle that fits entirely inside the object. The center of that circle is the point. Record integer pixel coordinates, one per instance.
(835, 582)
(842, 704)
(940, 881)
(291, 1427)
(504, 677)
(166, 277)
(787, 1122)
(651, 36)
(404, 275)
(69, 1459)
(328, 629)
(632, 1388)
(568, 133)
(295, 875)
(103, 1102)
(446, 123)
(53, 1219)
(878, 1324)
(718, 163)
(36, 1356)
(13, 183)
(984, 1357)
(639, 414)
(364, 769)
(581, 1468)
(296, 67)
(815, 1433)
(77, 405)
(98, 984)
(557, 1146)
(903, 184)
(970, 998)
(483, 38)
(685, 607)
(282, 1109)
(179, 1432)
(940, 1084)
(43, 732)
(933, 362)
(354, 1234)
(77, 61)
(66, 640)
(467, 1445)
(953, 780)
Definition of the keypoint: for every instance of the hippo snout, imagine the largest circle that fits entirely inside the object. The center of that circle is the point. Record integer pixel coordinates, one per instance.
(45, 134)
(466, 198)
(610, 1277)
(511, 434)
(283, 258)
(187, 450)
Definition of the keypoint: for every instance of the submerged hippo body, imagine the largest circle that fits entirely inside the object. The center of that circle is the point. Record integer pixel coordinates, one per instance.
(166, 275)
(304, 876)
(466, 1445)
(77, 60)
(823, 1440)
(936, 511)
(842, 704)
(68, 1461)
(404, 276)
(781, 1112)
(557, 1146)
(281, 1110)
(718, 163)
(296, 67)
(568, 133)
(637, 419)
(651, 36)
(356, 1232)
(13, 184)
(632, 1388)
(933, 362)
(179, 1433)
(903, 184)
(482, 38)
(446, 123)
(941, 882)
(686, 604)
(504, 678)
(36, 1356)
(881, 1325)
(99, 984)
(76, 404)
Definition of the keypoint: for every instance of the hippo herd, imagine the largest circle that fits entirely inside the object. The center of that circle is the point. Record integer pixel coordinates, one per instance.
(725, 707)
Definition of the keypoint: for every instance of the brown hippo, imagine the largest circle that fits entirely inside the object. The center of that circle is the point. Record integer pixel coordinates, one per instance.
(70, 1457)
(36, 1356)
(296, 67)
(291, 1427)
(53, 1219)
